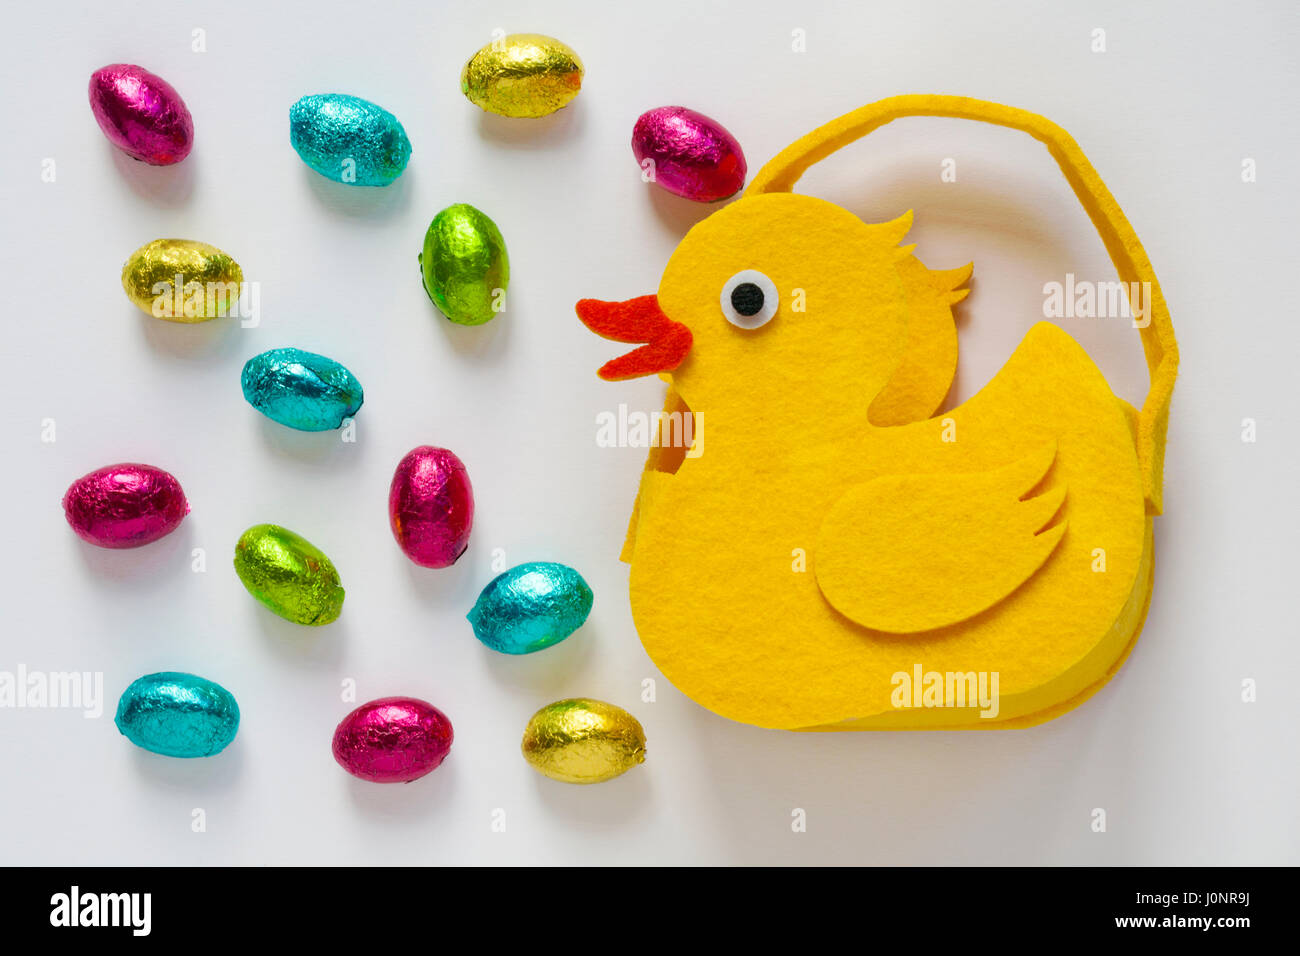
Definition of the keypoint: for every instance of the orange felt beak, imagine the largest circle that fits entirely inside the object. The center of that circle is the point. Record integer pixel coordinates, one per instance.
(636, 320)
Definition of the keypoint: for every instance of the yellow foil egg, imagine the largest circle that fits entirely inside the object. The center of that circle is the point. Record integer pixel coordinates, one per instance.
(583, 741)
(182, 280)
(523, 74)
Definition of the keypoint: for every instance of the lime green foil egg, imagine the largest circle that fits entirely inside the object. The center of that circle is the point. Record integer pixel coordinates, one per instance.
(288, 574)
(464, 265)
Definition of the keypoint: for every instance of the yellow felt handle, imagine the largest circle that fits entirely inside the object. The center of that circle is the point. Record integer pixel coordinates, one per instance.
(1126, 252)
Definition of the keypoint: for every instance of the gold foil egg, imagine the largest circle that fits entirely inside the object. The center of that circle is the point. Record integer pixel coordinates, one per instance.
(182, 280)
(523, 74)
(583, 741)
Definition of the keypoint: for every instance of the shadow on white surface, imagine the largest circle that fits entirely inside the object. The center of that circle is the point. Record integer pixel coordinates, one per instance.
(443, 587)
(148, 567)
(400, 803)
(302, 644)
(375, 203)
(904, 797)
(166, 186)
(678, 215)
(548, 671)
(202, 775)
(192, 341)
(523, 133)
(478, 343)
(613, 803)
(311, 447)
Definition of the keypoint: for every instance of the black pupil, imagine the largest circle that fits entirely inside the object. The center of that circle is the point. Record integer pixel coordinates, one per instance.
(747, 299)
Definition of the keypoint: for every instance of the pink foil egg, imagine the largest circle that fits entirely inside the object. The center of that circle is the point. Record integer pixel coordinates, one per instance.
(691, 155)
(141, 114)
(125, 506)
(431, 506)
(392, 740)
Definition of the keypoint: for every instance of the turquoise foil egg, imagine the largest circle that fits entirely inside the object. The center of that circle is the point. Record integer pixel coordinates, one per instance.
(302, 390)
(348, 139)
(178, 715)
(530, 607)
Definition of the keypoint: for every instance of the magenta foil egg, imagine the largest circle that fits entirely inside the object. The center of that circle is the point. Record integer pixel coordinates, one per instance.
(431, 506)
(125, 506)
(392, 740)
(141, 114)
(690, 155)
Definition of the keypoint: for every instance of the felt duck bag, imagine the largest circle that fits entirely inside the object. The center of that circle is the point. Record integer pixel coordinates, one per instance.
(838, 556)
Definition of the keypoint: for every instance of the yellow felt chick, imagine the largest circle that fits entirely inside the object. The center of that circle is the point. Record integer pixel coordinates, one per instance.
(833, 555)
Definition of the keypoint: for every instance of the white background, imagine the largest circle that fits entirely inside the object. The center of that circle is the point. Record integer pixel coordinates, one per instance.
(1186, 772)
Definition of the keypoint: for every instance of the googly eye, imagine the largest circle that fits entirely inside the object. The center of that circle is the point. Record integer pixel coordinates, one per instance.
(749, 299)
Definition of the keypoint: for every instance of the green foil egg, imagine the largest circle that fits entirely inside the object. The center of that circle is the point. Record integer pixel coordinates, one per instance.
(464, 265)
(288, 574)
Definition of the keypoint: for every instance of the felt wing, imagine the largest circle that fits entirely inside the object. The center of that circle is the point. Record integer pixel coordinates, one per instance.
(910, 553)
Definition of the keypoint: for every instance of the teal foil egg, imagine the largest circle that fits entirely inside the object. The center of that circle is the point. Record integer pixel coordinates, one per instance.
(303, 390)
(348, 139)
(178, 715)
(530, 607)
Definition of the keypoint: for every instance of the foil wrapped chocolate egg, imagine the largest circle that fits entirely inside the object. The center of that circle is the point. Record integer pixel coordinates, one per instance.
(125, 506)
(141, 114)
(530, 607)
(182, 280)
(301, 389)
(583, 741)
(688, 154)
(523, 75)
(288, 574)
(392, 740)
(178, 715)
(348, 139)
(431, 506)
(464, 265)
